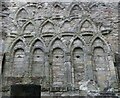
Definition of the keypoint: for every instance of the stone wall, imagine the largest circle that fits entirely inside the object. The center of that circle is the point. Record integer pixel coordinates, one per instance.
(59, 45)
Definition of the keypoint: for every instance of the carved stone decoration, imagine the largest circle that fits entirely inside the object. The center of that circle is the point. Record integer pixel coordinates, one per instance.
(38, 58)
(87, 26)
(87, 37)
(78, 61)
(47, 39)
(57, 9)
(32, 9)
(47, 27)
(38, 63)
(58, 67)
(100, 57)
(105, 30)
(87, 29)
(27, 12)
(57, 64)
(67, 39)
(67, 26)
(78, 64)
(43, 10)
(28, 28)
(75, 10)
(19, 57)
(19, 65)
(98, 43)
(22, 16)
(59, 45)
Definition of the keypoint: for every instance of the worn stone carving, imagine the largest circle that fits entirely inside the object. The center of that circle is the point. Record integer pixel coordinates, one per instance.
(57, 66)
(19, 57)
(75, 9)
(47, 27)
(28, 28)
(21, 16)
(58, 69)
(60, 45)
(100, 62)
(38, 60)
(87, 26)
(18, 54)
(78, 61)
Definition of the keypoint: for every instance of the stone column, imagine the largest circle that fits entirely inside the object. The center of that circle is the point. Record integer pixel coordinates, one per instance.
(27, 74)
(27, 62)
(88, 64)
(8, 67)
(68, 70)
(46, 69)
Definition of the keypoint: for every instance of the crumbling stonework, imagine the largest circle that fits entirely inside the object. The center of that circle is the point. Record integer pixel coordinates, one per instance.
(59, 46)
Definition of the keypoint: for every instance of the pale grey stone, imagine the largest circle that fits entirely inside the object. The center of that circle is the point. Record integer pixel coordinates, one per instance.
(59, 45)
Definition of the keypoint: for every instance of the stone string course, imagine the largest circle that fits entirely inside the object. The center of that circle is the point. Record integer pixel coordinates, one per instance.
(60, 46)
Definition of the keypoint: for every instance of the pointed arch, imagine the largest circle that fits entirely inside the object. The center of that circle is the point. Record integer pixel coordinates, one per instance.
(58, 4)
(41, 44)
(105, 44)
(53, 44)
(83, 43)
(23, 18)
(57, 9)
(101, 53)
(19, 10)
(78, 65)
(14, 43)
(47, 26)
(77, 51)
(75, 6)
(30, 29)
(57, 54)
(87, 25)
(17, 55)
(100, 66)
(37, 50)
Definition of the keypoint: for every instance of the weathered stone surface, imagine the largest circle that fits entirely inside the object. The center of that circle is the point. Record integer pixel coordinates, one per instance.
(59, 45)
